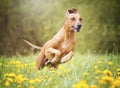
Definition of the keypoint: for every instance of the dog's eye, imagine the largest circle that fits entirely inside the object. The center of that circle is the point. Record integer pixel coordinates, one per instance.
(80, 19)
(73, 19)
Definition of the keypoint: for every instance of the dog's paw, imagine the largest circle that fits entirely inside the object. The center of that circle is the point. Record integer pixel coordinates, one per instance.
(47, 63)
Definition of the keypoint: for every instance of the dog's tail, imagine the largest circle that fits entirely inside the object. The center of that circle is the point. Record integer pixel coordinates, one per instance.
(34, 46)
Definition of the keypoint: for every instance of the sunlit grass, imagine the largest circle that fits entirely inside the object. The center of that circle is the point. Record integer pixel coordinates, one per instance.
(83, 71)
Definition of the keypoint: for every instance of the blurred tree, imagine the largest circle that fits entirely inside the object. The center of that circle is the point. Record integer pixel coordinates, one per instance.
(37, 21)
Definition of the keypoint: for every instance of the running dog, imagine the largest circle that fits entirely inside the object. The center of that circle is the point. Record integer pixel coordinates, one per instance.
(60, 48)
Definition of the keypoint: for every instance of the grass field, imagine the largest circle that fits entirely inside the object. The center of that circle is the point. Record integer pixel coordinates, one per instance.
(83, 71)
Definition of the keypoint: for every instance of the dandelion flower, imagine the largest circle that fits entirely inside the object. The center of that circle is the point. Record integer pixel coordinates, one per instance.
(94, 86)
(118, 70)
(31, 81)
(10, 80)
(10, 75)
(106, 79)
(68, 71)
(110, 63)
(38, 80)
(118, 73)
(0, 64)
(95, 67)
(100, 62)
(98, 71)
(81, 84)
(97, 77)
(49, 79)
(62, 68)
(19, 78)
(85, 74)
(52, 70)
(7, 83)
(31, 86)
(103, 82)
(107, 72)
(116, 84)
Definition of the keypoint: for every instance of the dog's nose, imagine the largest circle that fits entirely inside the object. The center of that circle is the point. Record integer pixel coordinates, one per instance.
(79, 25)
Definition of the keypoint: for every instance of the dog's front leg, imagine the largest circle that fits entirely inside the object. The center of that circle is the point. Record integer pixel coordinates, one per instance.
(55, 52)
(67, 57)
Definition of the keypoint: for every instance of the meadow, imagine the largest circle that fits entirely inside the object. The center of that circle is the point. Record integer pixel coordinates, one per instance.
(83, 71)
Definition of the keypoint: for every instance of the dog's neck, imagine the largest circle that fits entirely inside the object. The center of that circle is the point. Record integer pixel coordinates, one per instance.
(68, 32)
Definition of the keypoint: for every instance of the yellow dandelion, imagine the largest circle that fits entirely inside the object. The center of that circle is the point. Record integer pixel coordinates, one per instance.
(118, 73)
(62, 68)
(18, 70)
(116, 84)
(31, 86)
(100, 62)
(81, 84)
(49, 79)
(94, 86)
(12, 62)
(7, 83)
(118, 70)
(103, 82)
(38, 80)
(106, 79)
(97, 77)
(32, 68)
(9, 75)
(95, 67)
(110, 63)
(10, 80)
(25, 79)
(107, 72)
(34, 63)
(98, 71)
(46, 77)
(0, 81)
(52, 69)
(68, 71)
(118, 78)
(19, 78)
(0, 63)
(31, 81)
(85, 74)
(25, 65)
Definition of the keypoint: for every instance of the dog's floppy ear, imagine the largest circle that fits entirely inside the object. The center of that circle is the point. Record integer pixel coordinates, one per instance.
(69, 11)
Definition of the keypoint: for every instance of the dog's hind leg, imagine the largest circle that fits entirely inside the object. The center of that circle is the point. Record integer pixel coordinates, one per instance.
(40, 60)
(66, 57)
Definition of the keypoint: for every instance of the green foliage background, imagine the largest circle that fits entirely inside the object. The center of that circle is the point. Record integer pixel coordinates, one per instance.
(38, 20)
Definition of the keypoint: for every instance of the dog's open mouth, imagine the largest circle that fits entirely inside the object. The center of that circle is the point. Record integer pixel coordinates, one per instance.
(76, 29)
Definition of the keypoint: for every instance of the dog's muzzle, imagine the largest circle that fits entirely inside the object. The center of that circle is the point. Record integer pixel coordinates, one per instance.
(76, 28)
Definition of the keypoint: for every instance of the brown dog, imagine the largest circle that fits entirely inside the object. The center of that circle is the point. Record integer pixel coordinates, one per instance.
(60, 48)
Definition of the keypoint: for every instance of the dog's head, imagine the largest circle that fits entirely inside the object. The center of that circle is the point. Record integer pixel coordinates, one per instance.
(73, 19)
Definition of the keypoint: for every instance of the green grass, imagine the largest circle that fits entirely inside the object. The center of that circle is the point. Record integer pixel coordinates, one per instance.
(88, 67)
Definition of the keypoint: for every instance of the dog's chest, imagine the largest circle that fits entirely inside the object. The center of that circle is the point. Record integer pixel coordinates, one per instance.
(66, 44)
